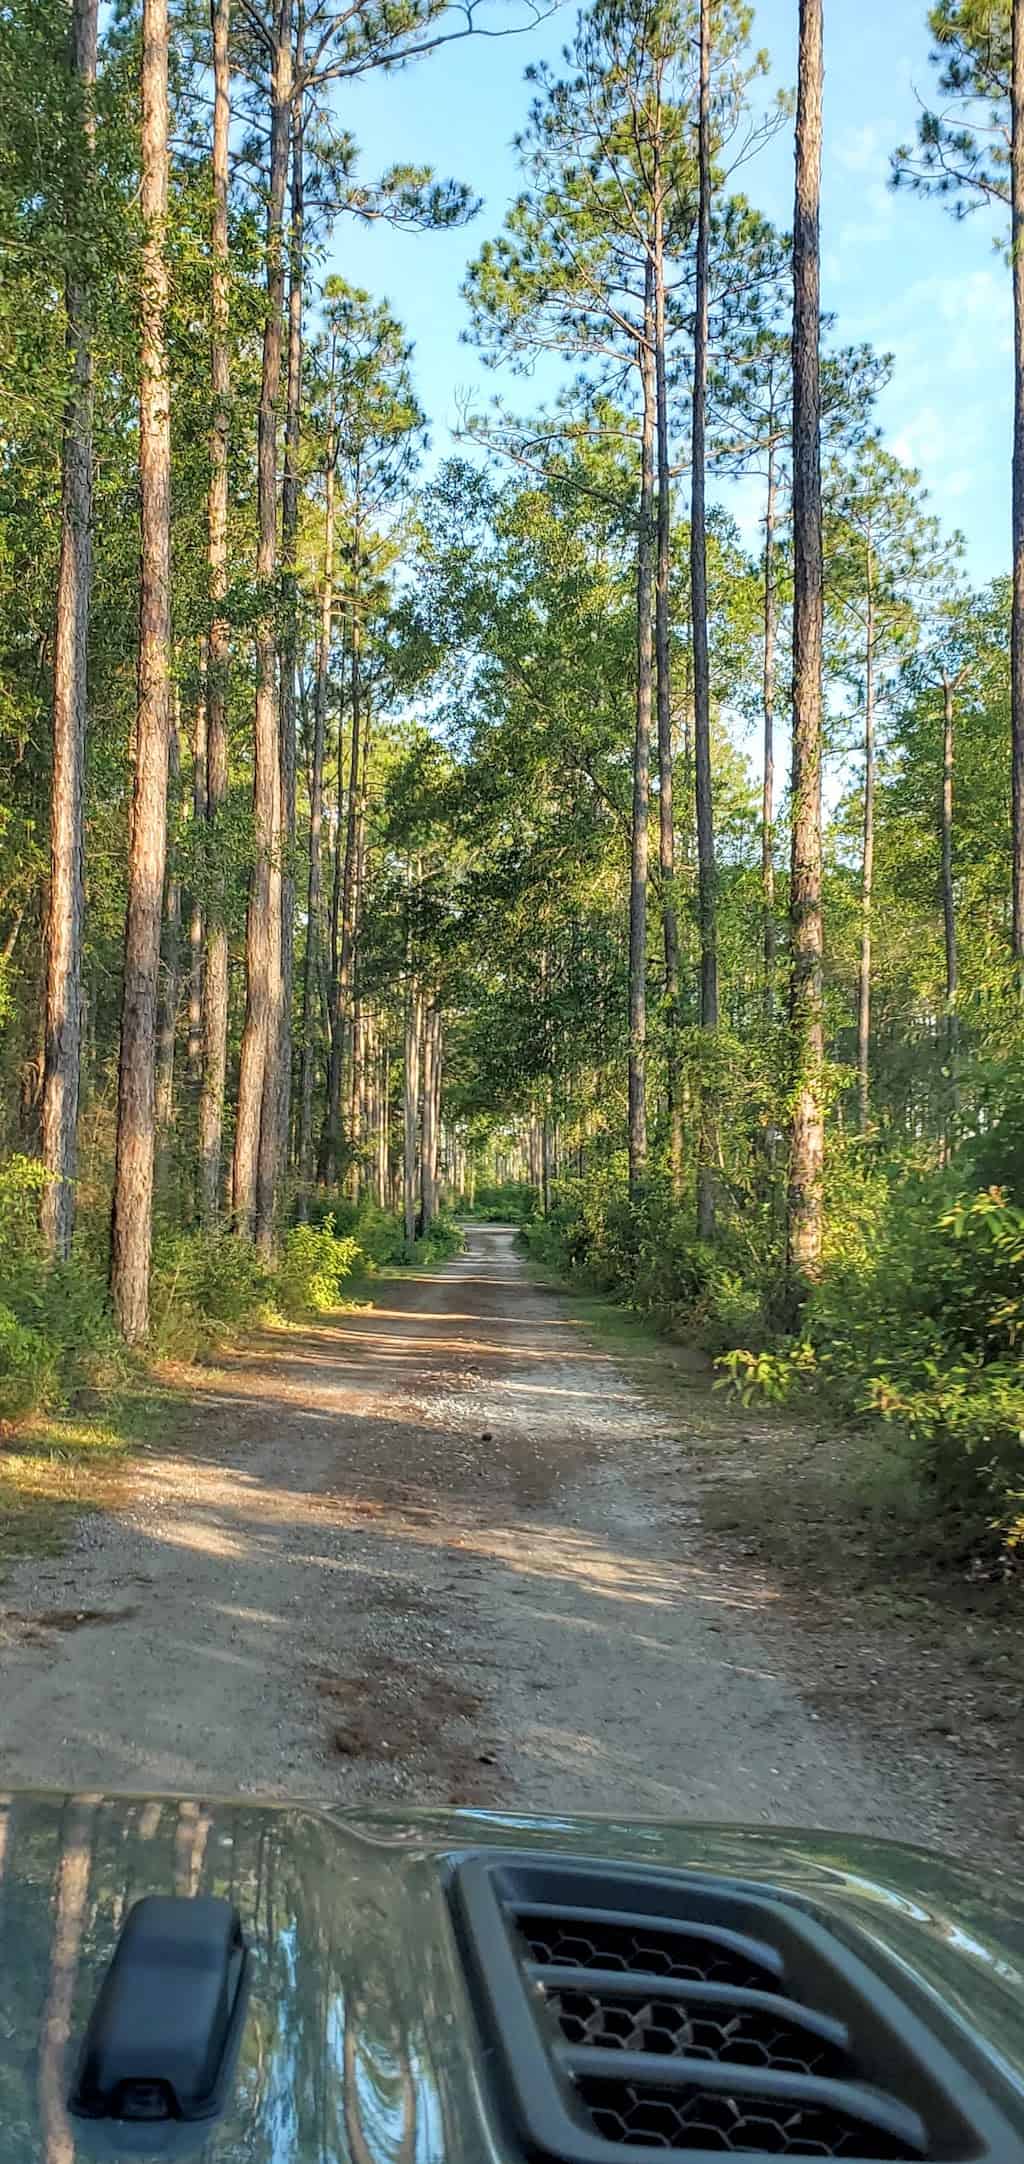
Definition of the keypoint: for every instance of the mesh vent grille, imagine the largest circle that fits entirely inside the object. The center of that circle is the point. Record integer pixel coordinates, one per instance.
(737, 2036)
(635, 2011)
(653, 2118)
(572, 1943)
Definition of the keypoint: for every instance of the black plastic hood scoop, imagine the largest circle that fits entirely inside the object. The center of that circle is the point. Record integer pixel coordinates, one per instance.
(163, 2038)
(629, 2011)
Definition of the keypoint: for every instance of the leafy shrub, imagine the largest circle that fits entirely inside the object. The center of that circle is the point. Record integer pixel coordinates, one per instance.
(313, 1267)
(506, 1201)
(60, 1310)
(380, 1234)
(205, 1285)
(925, 1327)
(28, 1377)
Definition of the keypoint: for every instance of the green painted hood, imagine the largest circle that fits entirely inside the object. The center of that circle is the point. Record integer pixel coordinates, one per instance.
(359, 2043)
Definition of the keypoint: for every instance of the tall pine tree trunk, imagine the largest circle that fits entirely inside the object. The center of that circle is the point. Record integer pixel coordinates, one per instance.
(1017, 610)
(428, 1193)
(662, 648)
(256, 1127)
(330, 1139)
(289, 537)
(349, 865)
(316, 815)
(215, 979)
(170, 948)
(768, 708)
(699, 614)
(413, 1035)
(804, 1201)
(867, 872)
(195, 922)
(66, 905)
(132, 1214)
(948, 900)
(637, 1074)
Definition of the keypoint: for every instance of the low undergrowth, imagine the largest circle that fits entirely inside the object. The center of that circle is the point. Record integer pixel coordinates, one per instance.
(73, 1399)
(911, 1343)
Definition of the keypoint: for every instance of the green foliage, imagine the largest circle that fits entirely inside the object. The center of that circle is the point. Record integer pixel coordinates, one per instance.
(767, 1377)
(645, 1254)
(27, 1369)
(57, 1334)
(207, 1286)
(921, 1321)
(313, 1267)
(380, 1234)
(504, 1201)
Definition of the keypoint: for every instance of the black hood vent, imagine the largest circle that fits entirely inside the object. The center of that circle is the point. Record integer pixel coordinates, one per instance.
(630, 2012)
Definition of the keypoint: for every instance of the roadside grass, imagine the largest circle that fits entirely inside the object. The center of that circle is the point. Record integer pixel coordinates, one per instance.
(58, 1467)
(63, 1467)
(915, 1640)
(823, 1501)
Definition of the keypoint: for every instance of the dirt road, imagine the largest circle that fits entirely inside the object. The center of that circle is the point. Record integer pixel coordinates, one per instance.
(439, 1551)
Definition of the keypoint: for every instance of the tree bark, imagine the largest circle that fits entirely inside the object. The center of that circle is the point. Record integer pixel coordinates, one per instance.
(256, 1128)
(804, 1200)
(428, 1194)
(699, 615)
(768, 702)
(347, 923)
(356, 1040)
(641, 760)
(413, 1034)
(948, 899)
(132, 1213)
(662, 648)
(289, 538)
(170, 955)
(215, 982)
(867, 875)
(1017, 609)
(66, 905)
(330, 1141)
(384, 1130)
(195, 922)
(316, 814)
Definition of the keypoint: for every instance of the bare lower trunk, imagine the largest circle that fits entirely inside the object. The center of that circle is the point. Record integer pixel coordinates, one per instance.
(66, 905)
(428, 1197)
(1017, 610)
(804, 1201)
(289, 644)
(662, 648)
(867, 874)
(170, 955)
(768, 773)
(316, 813)
(641, 763)
(384, 1130)
(357, 1050)
(349, 869)
(330, 1141)
(256, 1129)
(215, 982)
(438, 1080)
(413, 1035)
(701, 672)
(948, 901)
(195, 922)
(132, 1213)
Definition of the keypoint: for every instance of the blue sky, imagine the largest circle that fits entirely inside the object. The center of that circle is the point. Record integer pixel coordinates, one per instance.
(896, 270)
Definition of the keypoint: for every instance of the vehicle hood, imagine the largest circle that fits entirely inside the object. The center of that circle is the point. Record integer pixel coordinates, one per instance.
(360, 2043)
